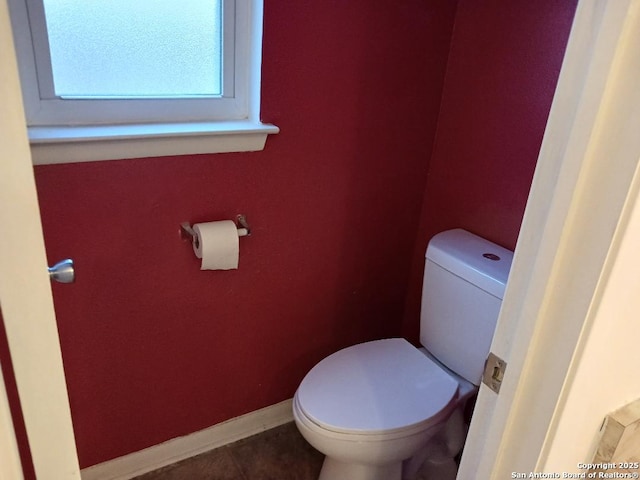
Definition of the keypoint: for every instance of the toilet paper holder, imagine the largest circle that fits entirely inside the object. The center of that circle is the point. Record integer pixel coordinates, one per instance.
(187, 232)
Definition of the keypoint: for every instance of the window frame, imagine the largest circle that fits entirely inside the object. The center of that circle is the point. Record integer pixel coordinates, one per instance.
(77, 130)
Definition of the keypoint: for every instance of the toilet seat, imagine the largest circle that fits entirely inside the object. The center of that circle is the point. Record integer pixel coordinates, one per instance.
(411, 392)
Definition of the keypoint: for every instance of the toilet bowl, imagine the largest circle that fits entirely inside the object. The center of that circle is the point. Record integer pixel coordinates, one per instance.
(386, 410)
(371, 406)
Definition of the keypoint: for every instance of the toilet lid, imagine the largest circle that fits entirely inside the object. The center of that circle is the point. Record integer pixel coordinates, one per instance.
(375, 387)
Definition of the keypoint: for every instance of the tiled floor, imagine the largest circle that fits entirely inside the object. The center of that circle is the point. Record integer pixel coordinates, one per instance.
(277, 454)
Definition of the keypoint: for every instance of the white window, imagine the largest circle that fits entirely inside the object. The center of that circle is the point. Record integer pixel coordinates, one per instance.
(106, 79)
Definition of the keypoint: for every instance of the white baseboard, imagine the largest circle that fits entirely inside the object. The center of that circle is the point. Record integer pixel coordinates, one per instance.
(177, 449)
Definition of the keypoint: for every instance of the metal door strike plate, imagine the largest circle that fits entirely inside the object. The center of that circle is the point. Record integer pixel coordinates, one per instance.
(493, 374)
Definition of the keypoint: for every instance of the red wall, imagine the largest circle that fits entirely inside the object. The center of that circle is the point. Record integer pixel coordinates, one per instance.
(154, 348)
(503, 67)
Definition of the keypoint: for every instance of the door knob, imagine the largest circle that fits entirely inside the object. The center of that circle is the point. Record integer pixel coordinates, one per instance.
(62, 271)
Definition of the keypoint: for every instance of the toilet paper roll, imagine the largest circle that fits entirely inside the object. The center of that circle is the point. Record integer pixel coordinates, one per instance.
(217, 245)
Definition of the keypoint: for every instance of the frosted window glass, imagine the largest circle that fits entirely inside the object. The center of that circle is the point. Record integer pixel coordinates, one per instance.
(135, 48)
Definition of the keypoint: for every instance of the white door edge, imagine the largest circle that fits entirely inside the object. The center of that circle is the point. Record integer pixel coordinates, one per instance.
(10, 467)
(25, 292)
(574, 207)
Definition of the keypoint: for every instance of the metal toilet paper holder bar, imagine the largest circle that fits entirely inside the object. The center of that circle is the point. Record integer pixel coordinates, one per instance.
(187, 232)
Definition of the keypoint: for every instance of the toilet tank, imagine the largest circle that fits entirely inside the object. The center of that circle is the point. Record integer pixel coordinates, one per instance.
(464, 283)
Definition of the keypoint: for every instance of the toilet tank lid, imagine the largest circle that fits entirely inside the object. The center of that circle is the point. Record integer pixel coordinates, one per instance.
(479, 261)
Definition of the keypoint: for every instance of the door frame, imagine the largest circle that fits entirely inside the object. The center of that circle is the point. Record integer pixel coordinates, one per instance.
(25, 294)
(583, 185)
(10, 467)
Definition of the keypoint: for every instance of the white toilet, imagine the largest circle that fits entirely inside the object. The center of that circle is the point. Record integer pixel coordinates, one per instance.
(385, 410)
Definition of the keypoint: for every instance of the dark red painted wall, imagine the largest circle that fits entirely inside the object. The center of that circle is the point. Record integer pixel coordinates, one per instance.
(503, 68)
(154, 348)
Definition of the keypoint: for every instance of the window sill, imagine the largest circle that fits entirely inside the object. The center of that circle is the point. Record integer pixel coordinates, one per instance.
(50, 145)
